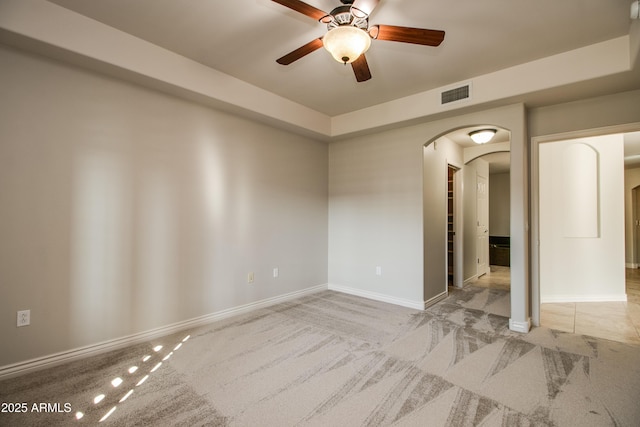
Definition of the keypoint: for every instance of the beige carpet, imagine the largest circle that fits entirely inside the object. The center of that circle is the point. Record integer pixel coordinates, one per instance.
(332, 359)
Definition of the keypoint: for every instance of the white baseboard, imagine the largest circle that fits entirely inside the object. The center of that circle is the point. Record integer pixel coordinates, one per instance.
(470, 279)
(418, 305)
(583, 298)
(27, 366)
(523, 327)
(631, 265)
(436, 299)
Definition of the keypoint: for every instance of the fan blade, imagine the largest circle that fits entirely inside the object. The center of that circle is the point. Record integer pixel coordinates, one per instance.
(300, 52)
(363, 8)
(361, 69)
(407, 35)
(303, 8)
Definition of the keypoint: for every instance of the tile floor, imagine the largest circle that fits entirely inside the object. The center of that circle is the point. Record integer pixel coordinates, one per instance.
(497, 278)
(618, 321)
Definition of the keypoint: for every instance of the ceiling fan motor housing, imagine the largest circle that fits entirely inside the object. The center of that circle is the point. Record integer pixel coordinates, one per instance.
(341, 15)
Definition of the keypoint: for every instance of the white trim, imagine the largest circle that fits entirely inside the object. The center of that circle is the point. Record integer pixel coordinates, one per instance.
(433, 300)
(31, 365)
(583, 298)
(418, 305)
(458, 227)
(470, 280)
(631, 265)
(523, 327)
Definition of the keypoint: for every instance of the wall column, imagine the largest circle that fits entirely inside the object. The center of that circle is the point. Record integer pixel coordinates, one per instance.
(520, 320)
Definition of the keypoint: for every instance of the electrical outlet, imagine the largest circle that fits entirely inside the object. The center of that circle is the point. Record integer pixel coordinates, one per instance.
(378, 271)
(250, 277)
(276, 272)
(24, 318)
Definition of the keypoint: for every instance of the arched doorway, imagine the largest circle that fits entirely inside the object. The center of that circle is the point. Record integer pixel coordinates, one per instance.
(456, 179)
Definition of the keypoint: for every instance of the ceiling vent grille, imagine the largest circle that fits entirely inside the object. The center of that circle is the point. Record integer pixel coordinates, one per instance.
(456, 94)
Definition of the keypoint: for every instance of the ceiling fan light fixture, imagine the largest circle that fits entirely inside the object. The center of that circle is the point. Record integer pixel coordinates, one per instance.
(346, 43)
(482, 136)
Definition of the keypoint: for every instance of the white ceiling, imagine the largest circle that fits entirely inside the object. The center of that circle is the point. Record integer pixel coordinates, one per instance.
(515, 40)
(243, 38)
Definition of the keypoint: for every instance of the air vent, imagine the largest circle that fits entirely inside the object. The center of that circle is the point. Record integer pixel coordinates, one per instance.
(456, 94)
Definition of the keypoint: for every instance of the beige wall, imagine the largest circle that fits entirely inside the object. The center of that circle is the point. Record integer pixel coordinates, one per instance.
(499, 204)
(375, 187)
(582, 254)
(124, 210)
(592, 113)
(437, 157)
(377, 217)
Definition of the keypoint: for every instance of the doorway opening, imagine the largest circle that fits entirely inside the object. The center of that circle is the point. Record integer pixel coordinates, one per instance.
(456, 174)
(635, 247)
(492, 229)
(575, 302)
(451, 217)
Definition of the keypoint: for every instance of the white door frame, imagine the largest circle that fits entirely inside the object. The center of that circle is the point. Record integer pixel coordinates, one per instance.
(482, 230)
(635, 213)
(458, 247)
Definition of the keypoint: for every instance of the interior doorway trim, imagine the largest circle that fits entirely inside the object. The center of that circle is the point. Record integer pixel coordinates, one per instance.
(454, 232)
(535, 197)
(635, 214)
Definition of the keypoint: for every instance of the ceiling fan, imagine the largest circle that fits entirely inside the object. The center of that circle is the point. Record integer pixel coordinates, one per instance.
(349, 35)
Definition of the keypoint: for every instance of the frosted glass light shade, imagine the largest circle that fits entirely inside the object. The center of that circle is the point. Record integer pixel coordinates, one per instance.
(346, 43)
(482, 136)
